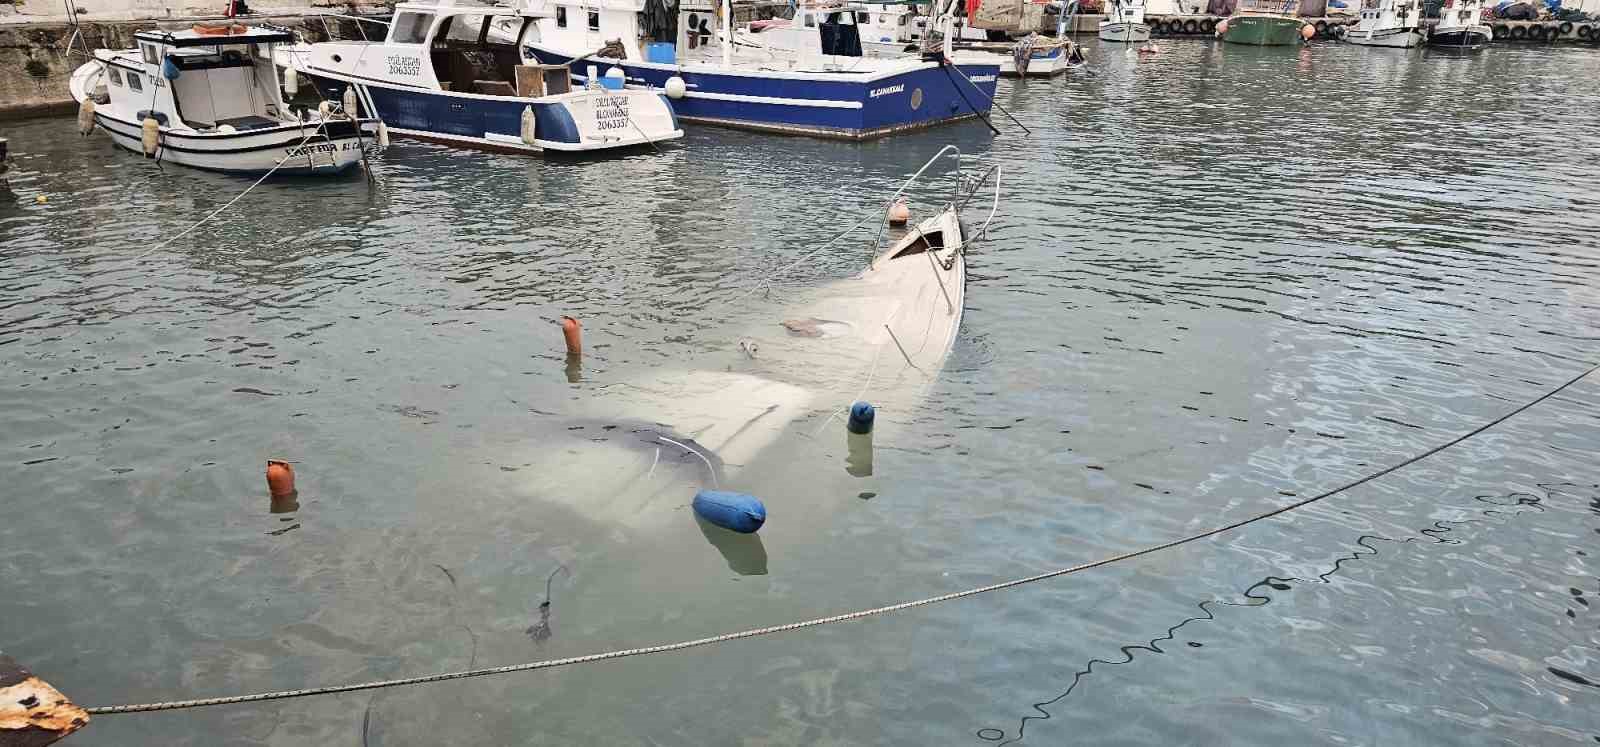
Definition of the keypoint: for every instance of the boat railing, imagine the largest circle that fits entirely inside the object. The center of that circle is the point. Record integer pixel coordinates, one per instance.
(360, 29)
(960, 184)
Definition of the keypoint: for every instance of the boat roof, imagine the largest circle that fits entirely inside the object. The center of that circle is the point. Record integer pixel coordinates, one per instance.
(191, 38)
(470, 7)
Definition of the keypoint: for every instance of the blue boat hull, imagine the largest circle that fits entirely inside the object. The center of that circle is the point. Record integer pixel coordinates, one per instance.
(854, 107)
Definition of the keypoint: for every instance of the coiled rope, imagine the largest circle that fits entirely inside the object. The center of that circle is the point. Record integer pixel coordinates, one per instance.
(769, 630)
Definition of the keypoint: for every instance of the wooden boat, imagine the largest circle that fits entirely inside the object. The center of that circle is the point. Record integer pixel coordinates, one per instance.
(209, 97)
(1124, 22)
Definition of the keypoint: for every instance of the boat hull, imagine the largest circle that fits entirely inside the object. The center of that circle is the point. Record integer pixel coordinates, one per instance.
(1124, 32)
(1263, 31)
(1043, 63)
(847, 106)
(582, 121)
(1467, 38)
(1397, 38)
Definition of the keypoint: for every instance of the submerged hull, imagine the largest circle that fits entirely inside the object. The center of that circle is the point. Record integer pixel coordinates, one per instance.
(1466, 37)
(1397, 38)
(1263, 31)
(848, 106)
(1124, 32)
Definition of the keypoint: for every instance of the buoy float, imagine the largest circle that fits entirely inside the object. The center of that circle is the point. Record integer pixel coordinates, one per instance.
(291, 82)
(383, 135)
(572, 330)
(325, 110)
(899, 213)
(280, 478)
(41, 199)
(150, 136)
(676, 88)
(861, 418)
(529, 125)
(1307, 31)
(739, 512)
(86, 117)
(1222, 27)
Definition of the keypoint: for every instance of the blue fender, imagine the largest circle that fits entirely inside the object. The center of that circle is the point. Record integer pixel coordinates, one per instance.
(735, 511)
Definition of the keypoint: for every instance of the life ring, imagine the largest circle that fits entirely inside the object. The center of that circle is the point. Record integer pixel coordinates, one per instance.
(1519, 32)
(1207, 26)
(1191, 27)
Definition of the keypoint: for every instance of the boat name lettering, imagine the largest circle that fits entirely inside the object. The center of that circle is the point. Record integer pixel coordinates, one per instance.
(611, 112)
(982, 79)
(404, 65)
(886, 90)
(306, 150)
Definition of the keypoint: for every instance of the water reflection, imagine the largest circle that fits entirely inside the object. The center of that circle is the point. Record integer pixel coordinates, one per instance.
(744, 553)
(1260, 593)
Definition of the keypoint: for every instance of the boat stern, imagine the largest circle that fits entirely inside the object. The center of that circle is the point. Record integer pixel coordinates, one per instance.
(598, 119)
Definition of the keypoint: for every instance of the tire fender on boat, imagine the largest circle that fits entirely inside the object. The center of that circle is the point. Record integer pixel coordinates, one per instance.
(529, 125)
(86, 117)
(150, 136)
(1340, 32)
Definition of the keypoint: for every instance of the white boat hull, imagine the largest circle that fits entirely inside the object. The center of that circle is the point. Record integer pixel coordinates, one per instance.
(299, 148)
(1124, 32)
(1396, 38)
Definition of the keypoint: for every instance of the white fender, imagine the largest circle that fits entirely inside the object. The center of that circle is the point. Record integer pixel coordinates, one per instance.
(291, 82)
(383, 135)
(86, 117)
(528, 124)
(676, 88)
(325, 110)
(350, 101)
(150, 136)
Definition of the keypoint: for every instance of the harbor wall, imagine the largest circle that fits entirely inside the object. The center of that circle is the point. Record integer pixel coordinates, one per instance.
(37, 58)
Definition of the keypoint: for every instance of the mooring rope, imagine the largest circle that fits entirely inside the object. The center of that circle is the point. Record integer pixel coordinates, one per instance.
(769, 630)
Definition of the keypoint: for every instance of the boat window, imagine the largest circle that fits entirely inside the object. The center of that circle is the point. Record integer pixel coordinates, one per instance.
(115, 75)
(811, 21)
(134, 82)
(863, 17)
(464, 28)
(412, 28)
(561, 17)
(594, 20)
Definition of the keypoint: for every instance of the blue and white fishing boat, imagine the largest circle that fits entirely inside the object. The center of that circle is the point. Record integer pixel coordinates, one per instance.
(809, 77)
(455, 73)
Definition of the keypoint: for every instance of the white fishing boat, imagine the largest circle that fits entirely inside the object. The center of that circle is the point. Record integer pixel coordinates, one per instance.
(888, 28)
(209, 97)
(1124, 22)
(806, 77)
(1460, 26)
(1387, 23)
(459, 73)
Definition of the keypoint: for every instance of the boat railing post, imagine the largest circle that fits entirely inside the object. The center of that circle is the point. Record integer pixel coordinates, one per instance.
(727, 33)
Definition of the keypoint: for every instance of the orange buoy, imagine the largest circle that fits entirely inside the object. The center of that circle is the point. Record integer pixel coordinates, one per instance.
(1307, 31)
(899, 213)
(573, 332)
(280, 478)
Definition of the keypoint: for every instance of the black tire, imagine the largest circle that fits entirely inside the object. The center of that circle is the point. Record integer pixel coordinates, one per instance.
(1565, 28)
(1500, 31)
(1340, 32)
(1191, 27)
(1583, 31)
(1322, 28)
(1538, 33)
(1519, 33)
(1208, 26)
(1164, 28)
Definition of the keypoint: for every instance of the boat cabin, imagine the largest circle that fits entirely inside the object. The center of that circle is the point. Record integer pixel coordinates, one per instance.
(450, 46)
(202, 78)
(811, 31)
(590, 25)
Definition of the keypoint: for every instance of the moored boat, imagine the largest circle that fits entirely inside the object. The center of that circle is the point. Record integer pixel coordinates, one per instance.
(209, 97)
(1387, 23)
(457, 73)
(1124, 22)
(1460, 26)
(796, 79)
(1264, 23)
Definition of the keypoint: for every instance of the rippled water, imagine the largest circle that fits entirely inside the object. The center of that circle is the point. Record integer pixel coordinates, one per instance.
(1221, 279)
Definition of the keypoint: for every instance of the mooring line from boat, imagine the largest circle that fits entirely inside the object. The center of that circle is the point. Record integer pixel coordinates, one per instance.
(992, 102)
(845, 617)
(320, 127)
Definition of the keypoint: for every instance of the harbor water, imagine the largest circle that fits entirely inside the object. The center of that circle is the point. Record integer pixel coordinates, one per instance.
(1220, 279)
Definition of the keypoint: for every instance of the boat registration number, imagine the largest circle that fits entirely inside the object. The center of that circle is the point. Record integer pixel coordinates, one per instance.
(611, 113)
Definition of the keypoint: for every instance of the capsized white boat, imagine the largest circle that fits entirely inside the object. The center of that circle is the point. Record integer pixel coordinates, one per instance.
(209, 97)
(881, 335)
